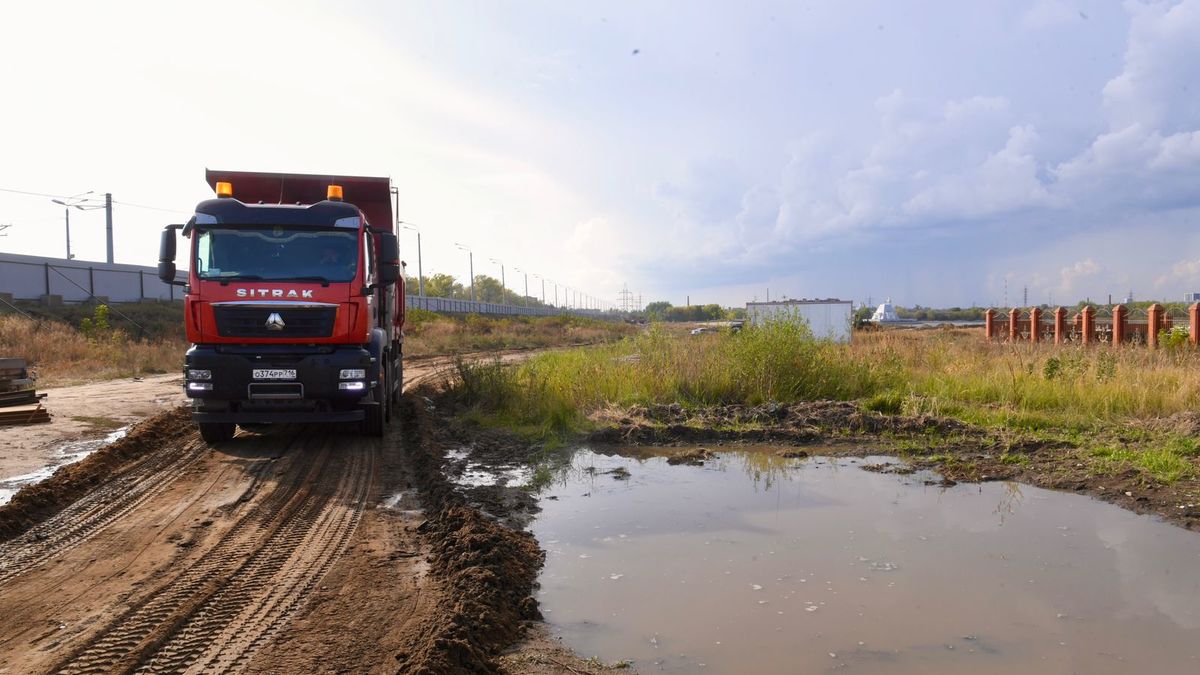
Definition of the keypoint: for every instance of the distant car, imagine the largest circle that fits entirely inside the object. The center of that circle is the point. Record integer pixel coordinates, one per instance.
(703, 329)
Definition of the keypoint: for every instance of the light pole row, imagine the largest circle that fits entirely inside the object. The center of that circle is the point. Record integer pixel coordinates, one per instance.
(572, 298)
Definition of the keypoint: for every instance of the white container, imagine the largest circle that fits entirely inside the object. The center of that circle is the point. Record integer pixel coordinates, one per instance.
(827, 319)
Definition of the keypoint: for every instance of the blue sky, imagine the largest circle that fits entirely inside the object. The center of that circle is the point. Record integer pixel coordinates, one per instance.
(926, 151)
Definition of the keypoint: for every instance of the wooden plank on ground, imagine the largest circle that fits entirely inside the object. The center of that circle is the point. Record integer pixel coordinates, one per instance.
(15, 398)
(26, 414)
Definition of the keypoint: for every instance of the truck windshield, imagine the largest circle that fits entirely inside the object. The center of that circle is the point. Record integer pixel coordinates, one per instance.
(276, 253)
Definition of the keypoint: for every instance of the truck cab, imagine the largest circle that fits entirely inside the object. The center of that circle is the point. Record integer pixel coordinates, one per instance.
(293, 304)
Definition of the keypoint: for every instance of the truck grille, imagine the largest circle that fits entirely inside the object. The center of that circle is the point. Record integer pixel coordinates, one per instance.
(307, 322)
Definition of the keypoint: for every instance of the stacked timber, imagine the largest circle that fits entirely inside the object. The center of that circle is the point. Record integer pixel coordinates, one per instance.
(19, 401)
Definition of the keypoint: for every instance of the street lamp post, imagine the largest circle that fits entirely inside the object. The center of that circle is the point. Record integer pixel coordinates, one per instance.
(471, 262)
(420, 273)
(525, 298)
(503, 283)
(67, 214)
(543, 279)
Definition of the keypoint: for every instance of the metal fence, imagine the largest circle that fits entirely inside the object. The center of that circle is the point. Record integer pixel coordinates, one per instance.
(453, 306)
(29, 277)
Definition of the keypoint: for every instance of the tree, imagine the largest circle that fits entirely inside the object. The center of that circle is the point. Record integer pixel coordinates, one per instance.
(443, 286)
(657, 310)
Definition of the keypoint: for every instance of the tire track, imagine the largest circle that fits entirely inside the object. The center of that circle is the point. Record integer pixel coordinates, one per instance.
(88, 516)
(244, 588)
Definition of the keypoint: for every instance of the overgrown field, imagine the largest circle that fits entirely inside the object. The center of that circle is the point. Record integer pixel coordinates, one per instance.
(80, 343)
(428, 333)
(1090, 397)
(62, 354)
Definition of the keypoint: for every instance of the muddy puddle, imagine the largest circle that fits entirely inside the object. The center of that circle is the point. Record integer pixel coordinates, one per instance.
(756, 563)
(67, 453)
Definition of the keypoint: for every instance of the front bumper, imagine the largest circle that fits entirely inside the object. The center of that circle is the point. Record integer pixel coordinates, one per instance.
(234, 395)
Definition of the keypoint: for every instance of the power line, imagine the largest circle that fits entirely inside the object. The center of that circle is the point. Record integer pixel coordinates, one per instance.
(52, 196)
(34, 194)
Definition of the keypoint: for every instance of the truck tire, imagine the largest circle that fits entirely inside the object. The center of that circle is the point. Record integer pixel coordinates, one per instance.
(216, 432)
(376, 415)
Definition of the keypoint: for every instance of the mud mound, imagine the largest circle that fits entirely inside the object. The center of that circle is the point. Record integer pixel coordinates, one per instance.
(1185, 423)
(487, 571)
(803, 422)
(38, 502)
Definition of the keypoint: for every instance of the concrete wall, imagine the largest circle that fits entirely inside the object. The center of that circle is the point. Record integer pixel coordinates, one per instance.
(29, 277)
(829, 320)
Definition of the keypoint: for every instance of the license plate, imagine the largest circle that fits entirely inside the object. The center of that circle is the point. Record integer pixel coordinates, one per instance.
(274, 374)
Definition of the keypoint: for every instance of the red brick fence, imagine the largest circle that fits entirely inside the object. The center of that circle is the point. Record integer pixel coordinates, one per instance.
(1090, 325)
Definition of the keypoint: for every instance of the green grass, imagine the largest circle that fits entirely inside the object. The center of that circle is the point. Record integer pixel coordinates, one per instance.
(1056, 394)
(552, 393)
(1167, 462)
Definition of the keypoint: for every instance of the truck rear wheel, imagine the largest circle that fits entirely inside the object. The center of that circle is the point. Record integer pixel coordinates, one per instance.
(216, 432)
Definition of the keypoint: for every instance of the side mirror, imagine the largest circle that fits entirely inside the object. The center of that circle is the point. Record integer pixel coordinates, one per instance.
(389, 259)
(166, 256)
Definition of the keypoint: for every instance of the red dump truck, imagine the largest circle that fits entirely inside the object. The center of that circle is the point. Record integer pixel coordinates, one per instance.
(294, 301)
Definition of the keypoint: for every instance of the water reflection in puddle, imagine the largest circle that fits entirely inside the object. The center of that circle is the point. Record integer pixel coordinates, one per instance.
(754, 563)
(474, 474)
(67, 453)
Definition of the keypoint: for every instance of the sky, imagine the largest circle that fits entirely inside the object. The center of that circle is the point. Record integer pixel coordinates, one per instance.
(934, 153)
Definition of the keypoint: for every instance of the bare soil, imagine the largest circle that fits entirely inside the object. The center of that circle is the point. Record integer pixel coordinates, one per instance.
(303, 549)
(84, 412)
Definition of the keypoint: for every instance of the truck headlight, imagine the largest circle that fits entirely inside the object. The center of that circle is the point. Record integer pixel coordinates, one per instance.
(352, 386)
(199, 374)
(352, 374)
(199, 386)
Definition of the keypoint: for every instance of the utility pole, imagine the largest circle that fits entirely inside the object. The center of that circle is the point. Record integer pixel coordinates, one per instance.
(108, 224)
(626, 297)
(67, 220)
(524, 298)
(503, 283)
(420, 273)
(82, 206)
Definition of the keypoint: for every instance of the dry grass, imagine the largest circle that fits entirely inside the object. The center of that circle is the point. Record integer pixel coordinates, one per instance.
(955, 372)
(62, 355)
(427, 333)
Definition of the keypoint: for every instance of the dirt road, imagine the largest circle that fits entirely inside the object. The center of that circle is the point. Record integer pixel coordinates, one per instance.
(83, 412)
(302, 549)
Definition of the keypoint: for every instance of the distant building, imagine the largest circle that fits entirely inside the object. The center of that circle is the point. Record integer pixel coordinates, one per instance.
(828, 319)
(1191, 297)
(885, 313)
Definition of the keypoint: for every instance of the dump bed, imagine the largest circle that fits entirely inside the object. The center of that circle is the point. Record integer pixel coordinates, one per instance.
(371, 194)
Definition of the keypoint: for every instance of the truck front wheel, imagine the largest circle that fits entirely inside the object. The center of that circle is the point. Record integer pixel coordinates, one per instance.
(216, 432)
(376, 415)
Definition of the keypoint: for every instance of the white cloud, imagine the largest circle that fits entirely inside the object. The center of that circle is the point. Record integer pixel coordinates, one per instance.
(1070, 276)
(1159, 85)
(1006, 181)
